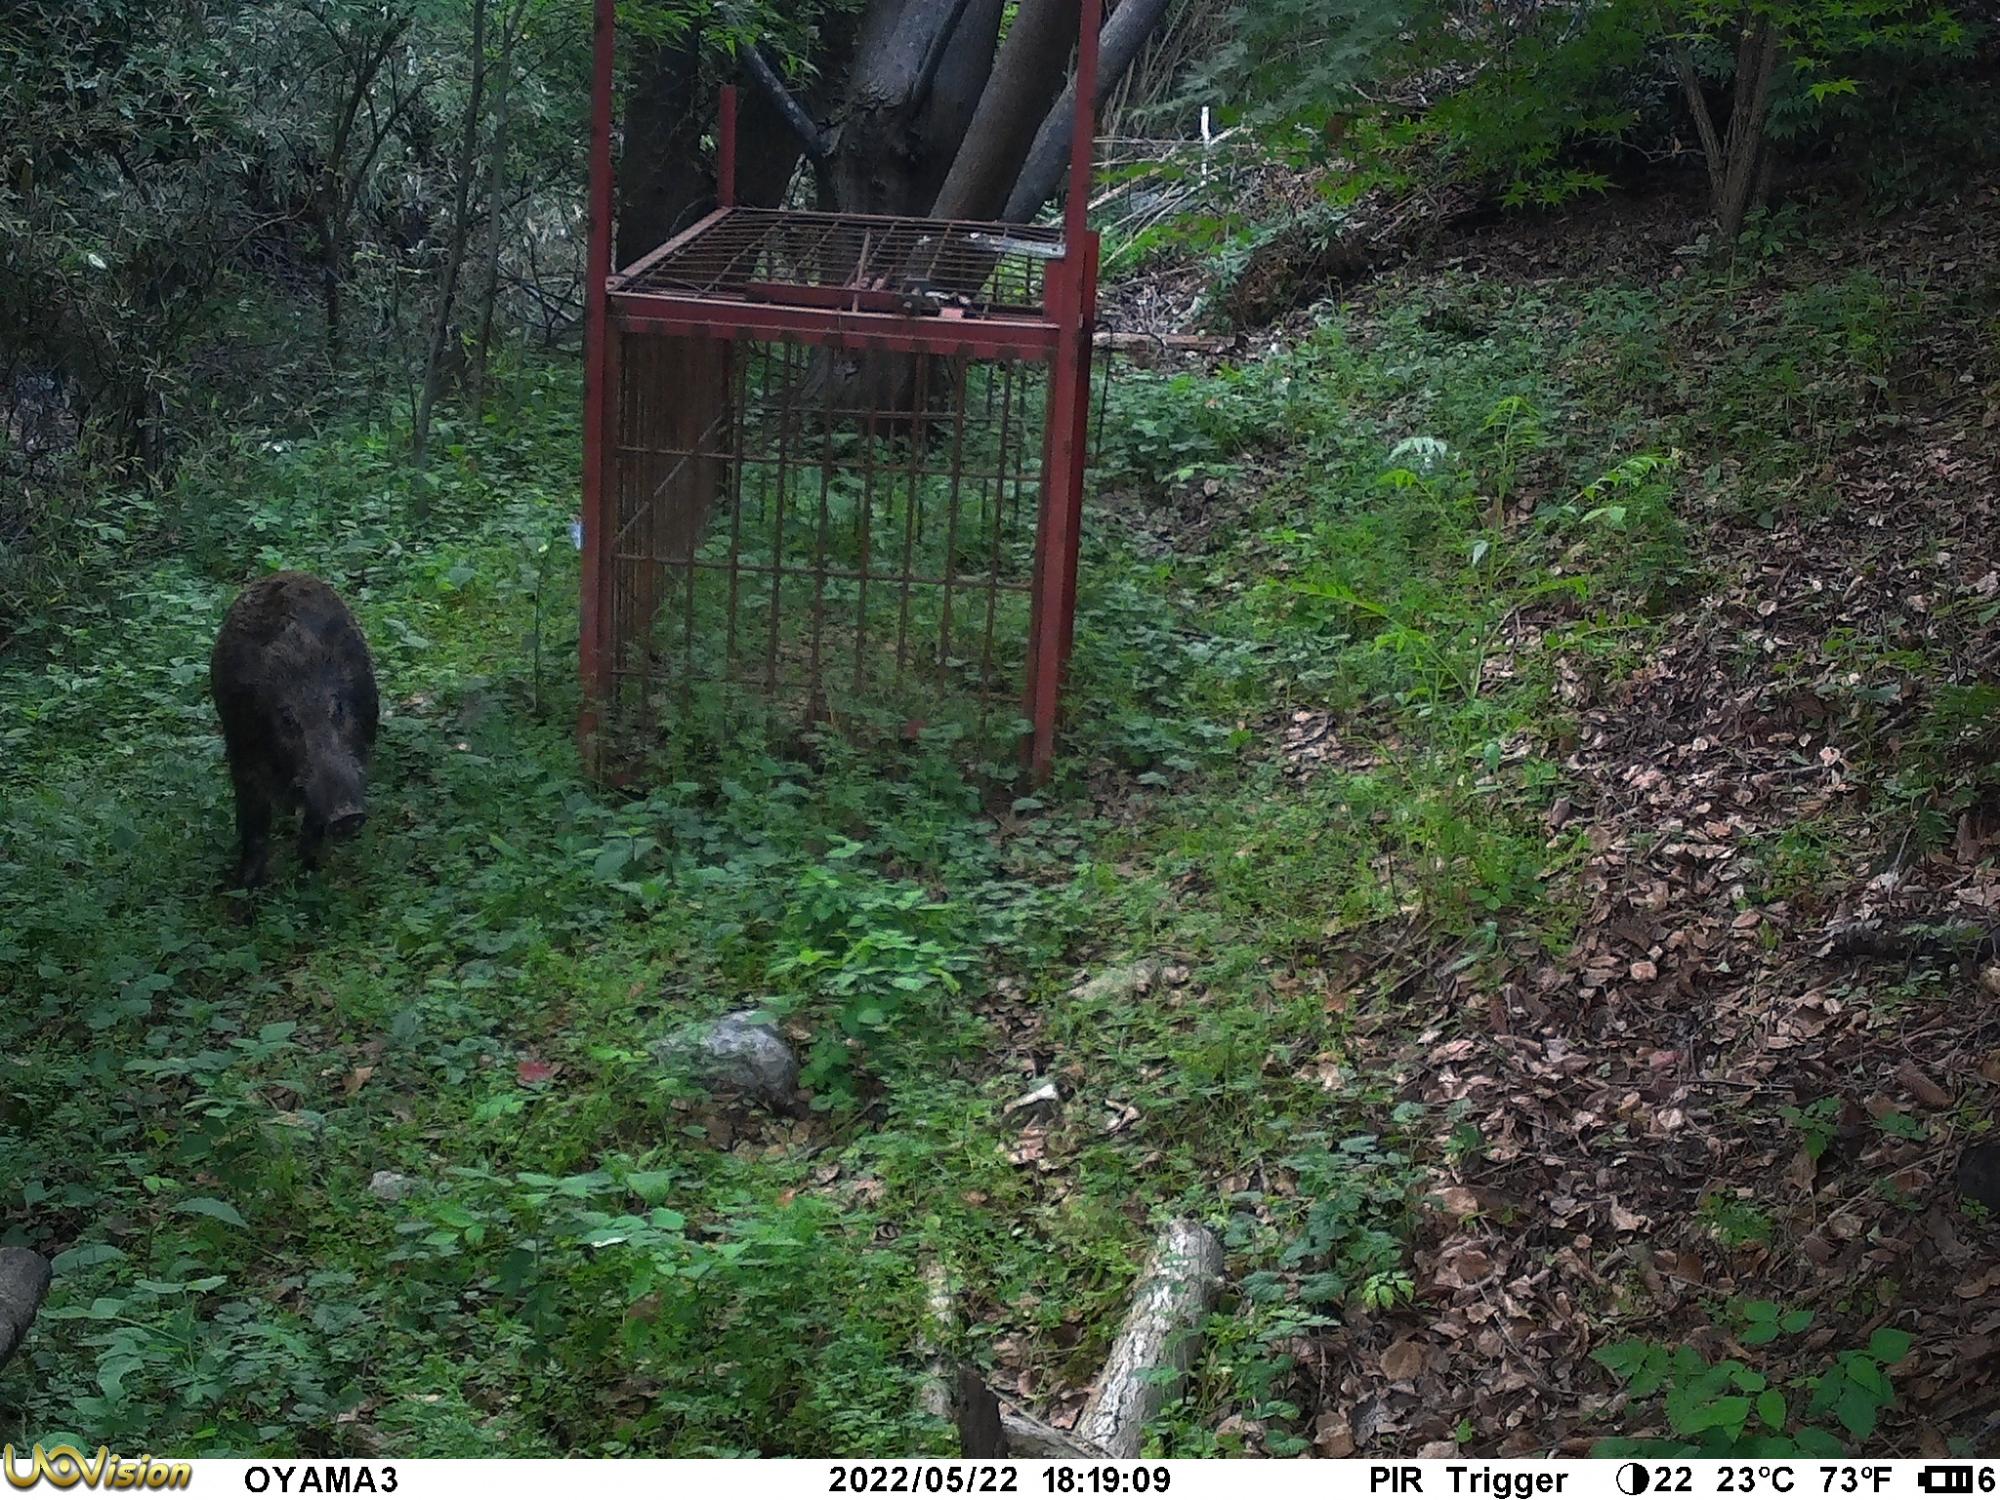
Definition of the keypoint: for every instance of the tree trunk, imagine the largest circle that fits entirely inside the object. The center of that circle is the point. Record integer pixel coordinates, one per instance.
(461, 232)
(1756, 63)
(340, 179)
(881, 161)
(496, 177)
(767, 147)
(661, 178)
(1119, 45)
(953, 93)
(1027, 75)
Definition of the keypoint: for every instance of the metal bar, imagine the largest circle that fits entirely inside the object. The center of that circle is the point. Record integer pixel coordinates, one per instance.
(739, 366)
(1083, 130)
(694, 499)
(912, 505)
(912, 222)
(973, 338)
(746, 255)
(815, 695)
(1008, 373)
(673, 246)
(596, 451)
(845, 575)
(754, 458)
(725, 149)
(952, 498)
(864, 525)
(1054, 533)
(1078, 438)
(860, 299)
(626, 674)
(777, 569)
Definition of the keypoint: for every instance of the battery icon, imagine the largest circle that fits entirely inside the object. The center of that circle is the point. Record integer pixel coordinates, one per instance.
(1945, 1479)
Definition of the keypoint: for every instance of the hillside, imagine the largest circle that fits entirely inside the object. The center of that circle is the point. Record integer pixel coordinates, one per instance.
(1494, 689)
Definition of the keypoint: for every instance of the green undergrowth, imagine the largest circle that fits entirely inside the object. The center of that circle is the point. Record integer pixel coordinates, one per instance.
(390, 1161)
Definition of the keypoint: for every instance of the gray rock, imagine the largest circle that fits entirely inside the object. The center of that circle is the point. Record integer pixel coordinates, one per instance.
(391, 1187)
(24, 1281)
(737, 1052)
(1121, 983)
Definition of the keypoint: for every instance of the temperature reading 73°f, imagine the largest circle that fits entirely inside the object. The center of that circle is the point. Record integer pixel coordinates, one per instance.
(1853, 1479)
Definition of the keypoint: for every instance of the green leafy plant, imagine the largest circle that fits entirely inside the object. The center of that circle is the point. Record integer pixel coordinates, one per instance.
(1727, 1409)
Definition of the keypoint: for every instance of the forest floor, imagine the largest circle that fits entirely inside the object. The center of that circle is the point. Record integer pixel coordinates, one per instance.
(1489, 694)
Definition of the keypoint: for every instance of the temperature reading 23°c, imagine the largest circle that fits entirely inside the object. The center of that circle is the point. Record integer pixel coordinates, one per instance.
(1754, 1479)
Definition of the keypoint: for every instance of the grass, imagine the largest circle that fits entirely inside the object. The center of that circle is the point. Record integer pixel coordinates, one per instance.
(392, 1165)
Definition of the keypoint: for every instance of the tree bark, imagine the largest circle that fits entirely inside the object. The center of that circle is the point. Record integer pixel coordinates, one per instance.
(1162, 1330)
(661, 178)
(1119, 44)
(1027, 76)
(1704, 122)
(950, 96)
(496, 176)
(1756, 62)
(461, 232)
(880, 160)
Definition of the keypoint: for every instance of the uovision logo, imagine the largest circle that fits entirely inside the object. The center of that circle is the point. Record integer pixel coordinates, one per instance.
(66, 1467)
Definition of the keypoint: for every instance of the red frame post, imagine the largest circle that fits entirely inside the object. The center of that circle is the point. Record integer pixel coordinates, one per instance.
(725, 149)
(1073, 300)
(598, 522)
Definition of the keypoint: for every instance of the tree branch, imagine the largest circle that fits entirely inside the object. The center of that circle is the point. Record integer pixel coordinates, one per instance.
(934, 58)
(1704, 123)
(793, 113)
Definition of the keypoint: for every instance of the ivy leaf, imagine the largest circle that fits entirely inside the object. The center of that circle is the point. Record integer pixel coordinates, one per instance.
(213, 1208)
(1771, 1410)
(1890, 1345)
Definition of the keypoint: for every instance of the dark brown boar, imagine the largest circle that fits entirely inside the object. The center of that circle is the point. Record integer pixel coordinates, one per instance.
(296, 693)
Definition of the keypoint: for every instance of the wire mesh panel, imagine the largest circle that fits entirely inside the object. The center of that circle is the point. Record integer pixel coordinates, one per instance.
(845, 536)
(858, 262)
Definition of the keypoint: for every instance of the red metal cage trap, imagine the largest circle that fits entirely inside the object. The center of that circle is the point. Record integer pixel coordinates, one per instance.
(834, 461)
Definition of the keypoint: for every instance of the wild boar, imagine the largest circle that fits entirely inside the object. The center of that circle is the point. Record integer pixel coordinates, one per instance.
(295, 690)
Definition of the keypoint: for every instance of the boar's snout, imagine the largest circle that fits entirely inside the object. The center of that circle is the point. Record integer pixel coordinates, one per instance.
(346, 822)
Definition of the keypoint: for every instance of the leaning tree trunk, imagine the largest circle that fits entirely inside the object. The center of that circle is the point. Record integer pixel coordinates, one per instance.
(1119, 45)
(1027, 76)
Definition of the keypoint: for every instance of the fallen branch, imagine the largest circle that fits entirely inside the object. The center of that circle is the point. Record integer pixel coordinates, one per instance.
(953, 1391)
(1028, 1436)
(1162, 1331)
(1143, 346)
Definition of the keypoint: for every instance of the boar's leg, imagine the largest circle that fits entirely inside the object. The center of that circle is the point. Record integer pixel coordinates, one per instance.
(253, 830)
(312, 838)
